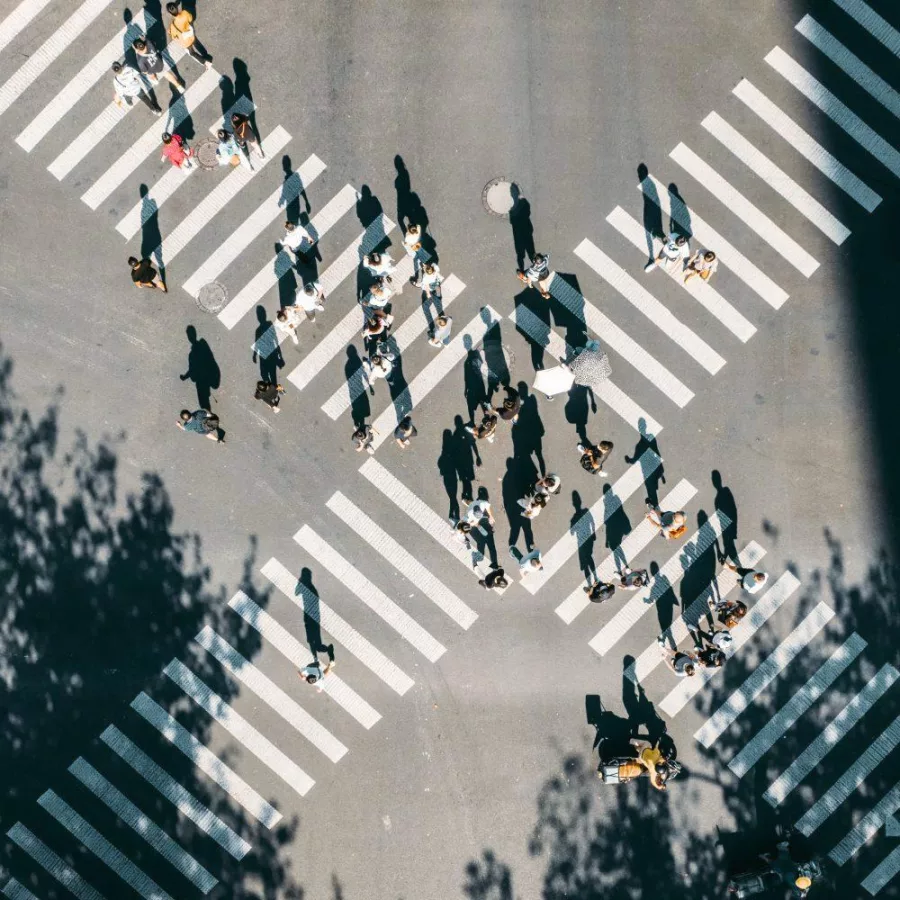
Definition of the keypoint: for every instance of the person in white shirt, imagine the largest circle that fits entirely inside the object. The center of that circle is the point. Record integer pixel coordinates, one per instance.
(702, 263)
(378, 263)
(378, 365)
(128, 85)
(441, 335)
(297, 239)
(530, 563)
(671, 255)
(287, 319)
(478, 511)
(749, 579)
(315, 674)
(380, 292)
(311, 298)
(412, 240)
(549, 484)
(429, 280)
(537, 275)
(532, 506)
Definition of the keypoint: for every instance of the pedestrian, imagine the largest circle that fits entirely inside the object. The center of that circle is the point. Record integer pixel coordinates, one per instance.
(201, 422)
(429, 281)
(461, 530)
(537, 275)
(314, 673)
(440, 335)
(495, 579)
(412, 240)
(378, 325)
(404, 433)
(702, 263)
(363, 438)
(670, 525)
(532, 505)
(549, 484)
(728, 612)
(710, 657)
(270, 394)
(380, 292)
(530, 563)
(244, 135)
(488, 427)
(671, 255)
(684, 665)
(633, 580)
(378, 365)
(311, 299)
(480, 510)
(144, 275)
(227, 151)
(181, 29)
(298, 240)
(378, 263)
(720, 638)
(288, 318)
(509, 409)
(176, 151)
(750, 580)
(151, 64)
(128, 84)
(600, 591)
(592, 458)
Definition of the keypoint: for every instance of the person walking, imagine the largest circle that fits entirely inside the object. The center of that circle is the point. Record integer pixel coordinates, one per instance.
(144, 275)
(600, 591)
(298, 240)
(405, 432)
(379, 264)
(684, 665)
(720, 639)
(440, 335)
(270, 394)
(537, 275)
(429, 281)
(315, 673)
(509, 409)
(549, 484)
(728, 612)
(380, 292)
(494, 580)
(412, 240)
(709, 657)
(378, 365)
(201, 422)
(703, 263)
(288, 318)
(128, 85)
(176, 151)
(311, 299)
(244, 135)
(751, 580)
(633, 580)
(532, 505)
(227, 151)
(592, 458)
(151, 64)
(363, 438)
(488, 427)
(377, 327)
(670, 525)
(671, 255)
(181, 29)
(530, 563)
(480, 510)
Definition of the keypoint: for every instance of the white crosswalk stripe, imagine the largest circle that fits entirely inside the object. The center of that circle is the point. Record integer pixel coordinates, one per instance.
(429, 521)
(609, 503)
(823, 678)
(806, 146)
(680, 629)
(313, 607)
(433, 373)
(185, 802)
(269, 692)
(205, 760)
(150, 141)
(256, 222)
(728, 254)
(751, 214)
(18, 20)
(100, 128)
(216, 200)
(401, 339)
(236, 725)
(872, 84)
(872, 22)
(267, 277)
(867, 827)
(759, 613)
(614, 337)
(83, 831)
(836, 730)
(55, 45)
(837, 111)
(52, 863)
(668, 576)
(764, 674)
(80, 84)
(16, 891)
(283, 641)
(646, 303)
(402, 560)
(706, 295)
(607, 392)
(884, 872)
(634, 542)
(776, 178)
(371, 596)
(170, 850)
(816, 815)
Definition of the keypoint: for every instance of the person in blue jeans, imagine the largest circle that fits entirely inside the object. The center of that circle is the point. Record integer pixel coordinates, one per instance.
(201, 422)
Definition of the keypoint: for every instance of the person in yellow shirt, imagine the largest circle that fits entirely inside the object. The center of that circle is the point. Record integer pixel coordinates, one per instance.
(181, 29)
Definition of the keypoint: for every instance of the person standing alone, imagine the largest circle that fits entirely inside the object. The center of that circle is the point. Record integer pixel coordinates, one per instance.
(181, 29)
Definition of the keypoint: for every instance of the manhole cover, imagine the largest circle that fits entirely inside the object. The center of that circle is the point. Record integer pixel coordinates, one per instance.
(205, 153)
(212, 297)
(500, 196)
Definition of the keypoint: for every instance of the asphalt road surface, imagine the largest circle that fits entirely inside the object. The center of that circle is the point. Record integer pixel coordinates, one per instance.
(162, 591)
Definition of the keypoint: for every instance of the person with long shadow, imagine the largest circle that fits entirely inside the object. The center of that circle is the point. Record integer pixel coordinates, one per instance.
(312, 616)
(618, 526)
(483, 536)
(151, 236)
(447, 468)
(680, 220)
(582, 524)
(652, 480)
(271, 363)
(410, 210)
(528, 431)
(202, 369)
(725, 504)
(639, 708)
(242, 89)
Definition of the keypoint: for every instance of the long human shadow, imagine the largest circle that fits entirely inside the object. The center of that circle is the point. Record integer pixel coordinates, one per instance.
(680, 219)
(290, 198)
(242, 89)
(202, 368)
(700, 568)
(312, 615)
(652, 479)
(360, 408)
(643, 719)
(151, 236)
(287, 282)
(516, 482)
(580, 404)
(583, 526)
(100, 593)
(497, 370)
(725, 504)
(618, 525)
(474, 389)
(652, 211)
(410, 210)
(368, 206)
(568, 316)
(447, 469)
(268, 365)
(522, 227)
(466, 457)
(157, 31)
(528, 431)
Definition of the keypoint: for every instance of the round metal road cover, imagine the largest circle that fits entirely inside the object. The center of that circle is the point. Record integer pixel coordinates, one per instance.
(212, 297)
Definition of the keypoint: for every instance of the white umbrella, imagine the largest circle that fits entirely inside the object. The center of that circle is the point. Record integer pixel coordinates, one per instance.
(557, 380)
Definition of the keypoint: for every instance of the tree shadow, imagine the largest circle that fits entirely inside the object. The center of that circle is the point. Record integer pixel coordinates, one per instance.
(488, 879)
(202, 368)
